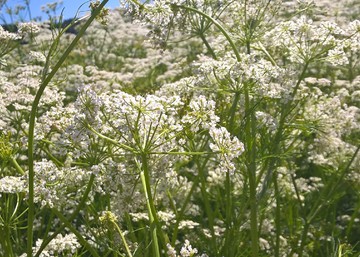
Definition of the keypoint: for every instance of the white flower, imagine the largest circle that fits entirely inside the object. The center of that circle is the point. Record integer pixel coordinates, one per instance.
(189, 224)
(7, 36)
(59, 246)
(337, 56)
(264, 244)
(202, 115)
(228, 148)
(37, 56)
(171, 252)
(12, 185)
(58, 187)
(353, 27)
(28, 28)
(187, 250)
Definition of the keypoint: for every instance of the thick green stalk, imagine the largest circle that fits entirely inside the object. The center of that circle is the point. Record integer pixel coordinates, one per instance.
(253, 207)
(45, 82)
(154, 222)
(251, 153)
(277, 216)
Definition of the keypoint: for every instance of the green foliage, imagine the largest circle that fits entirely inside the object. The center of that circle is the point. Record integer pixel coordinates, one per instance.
(238, 136)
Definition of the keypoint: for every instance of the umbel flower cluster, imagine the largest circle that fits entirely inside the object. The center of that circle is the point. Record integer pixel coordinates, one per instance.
(183, 128)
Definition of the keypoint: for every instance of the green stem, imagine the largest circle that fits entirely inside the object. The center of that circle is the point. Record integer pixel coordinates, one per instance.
(275, 148)
(180, 214)
(155, 243)
(2, 239)
(208, 209)
(228, 221)
(182, 211)
(45, 82)
(277, 215)
(253, 210)
(217, 24)
(186, 153)
(72, 217)
(352, 220)
(303, 238)
(208, 47)
(9, 223)
(77, 233)
(154, 221)
(53, 158)
(323, 201)
(8, 241)
(250, 135)
(263, 49)
(251, 149)
(110, 140)
(233, 111)
(17, 166)
(123, 239)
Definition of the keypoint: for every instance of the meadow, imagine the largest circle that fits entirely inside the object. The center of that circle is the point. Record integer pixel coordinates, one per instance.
(182, 128)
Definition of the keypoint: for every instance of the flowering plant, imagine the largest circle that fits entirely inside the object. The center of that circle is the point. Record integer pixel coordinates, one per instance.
(209, 128)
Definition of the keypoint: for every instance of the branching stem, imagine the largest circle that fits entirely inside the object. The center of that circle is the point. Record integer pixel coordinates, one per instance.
(35, 104)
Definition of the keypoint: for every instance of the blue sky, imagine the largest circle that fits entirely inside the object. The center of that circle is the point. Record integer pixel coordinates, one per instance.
(70, 7)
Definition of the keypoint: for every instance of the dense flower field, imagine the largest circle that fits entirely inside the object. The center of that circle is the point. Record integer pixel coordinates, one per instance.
(182, 128)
